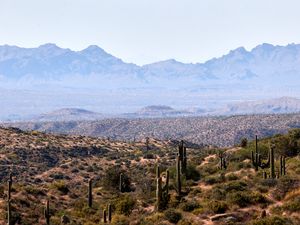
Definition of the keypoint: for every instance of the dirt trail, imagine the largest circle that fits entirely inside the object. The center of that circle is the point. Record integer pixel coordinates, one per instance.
(207, 159)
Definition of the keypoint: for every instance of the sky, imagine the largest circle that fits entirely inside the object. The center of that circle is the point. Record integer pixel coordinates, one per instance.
(145, 31)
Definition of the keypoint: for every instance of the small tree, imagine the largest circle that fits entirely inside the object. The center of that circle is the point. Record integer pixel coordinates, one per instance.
(244, 142)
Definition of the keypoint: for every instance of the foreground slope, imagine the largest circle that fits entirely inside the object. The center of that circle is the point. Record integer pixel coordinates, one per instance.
(58, 168)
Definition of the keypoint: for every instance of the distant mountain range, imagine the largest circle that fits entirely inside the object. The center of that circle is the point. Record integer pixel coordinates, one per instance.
(282, 105)
(39, 80)
(67, 114)
(52, 62)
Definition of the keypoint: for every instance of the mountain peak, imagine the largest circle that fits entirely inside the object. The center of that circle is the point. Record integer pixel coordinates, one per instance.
(239, 50)
(49, 46)
(93, 49)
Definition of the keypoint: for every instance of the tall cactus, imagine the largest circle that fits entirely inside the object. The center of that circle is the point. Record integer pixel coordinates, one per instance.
(9, 220)
(178, 175)
(109, 213)
(104, 216)
(182, 157)
(256, 158)
(184, 160)
(157, 171)
(121, 181)
(282, 166)
(147, 143)
(90, 193)
(158, 193)
(223, 164)
(47, 212)
(166, 187)
(162, 192)
(272, 162)
(9, 184)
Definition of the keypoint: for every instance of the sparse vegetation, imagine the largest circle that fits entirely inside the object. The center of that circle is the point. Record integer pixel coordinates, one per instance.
(58, 168)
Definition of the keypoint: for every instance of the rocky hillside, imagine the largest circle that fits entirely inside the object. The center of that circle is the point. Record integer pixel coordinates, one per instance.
(88, 179)
(219, 131)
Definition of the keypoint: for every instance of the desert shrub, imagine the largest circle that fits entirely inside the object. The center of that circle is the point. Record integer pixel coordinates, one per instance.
(285, 184)
(120, 220)
(61, 186)
(125, 205)
(231, 177)
(293, 205)
(149, 156)
(34, 190)
(239, 198)
(210, 180)
(273, 220)
(192, 173)
(185, 221)
(268, 182)
(217, 194)
(189, 206)
(245, 198)
(235, 186)
(257, 198)
(217, 206)
(244, 142)
(208, 169)
(59, 176)
(172, 215)
(112, 179)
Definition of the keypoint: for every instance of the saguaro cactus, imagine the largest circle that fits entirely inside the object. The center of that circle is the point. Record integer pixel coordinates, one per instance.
(184, 160)
(121, 181)
(166, 187)
(178, 176)
(272, 162)
(162, 192)
(223, 164)
(157, 171)
(104, 216)
(256, 158)
(147, 143)
(90, 193)
(182, 156)
(9, 213)
(282, 166)
(9, 184)
(47, 212)
(109, 213)
(158, 193)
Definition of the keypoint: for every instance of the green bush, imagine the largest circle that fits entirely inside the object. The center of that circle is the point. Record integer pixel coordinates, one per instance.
(120, 220)
(244, 142)
(293, 205)
(189, 206)
(285, 184)
(210, 180)
(61, 186)
(172, 215)
(217, 206)
(239, 198)
(192, 173)
(125, 205)
(235, 186)
(274, 220)
(112, 179)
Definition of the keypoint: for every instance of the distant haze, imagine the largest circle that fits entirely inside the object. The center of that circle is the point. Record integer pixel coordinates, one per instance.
(47, 78)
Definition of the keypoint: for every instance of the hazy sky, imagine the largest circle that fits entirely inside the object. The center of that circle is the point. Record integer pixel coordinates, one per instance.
(144, 31)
